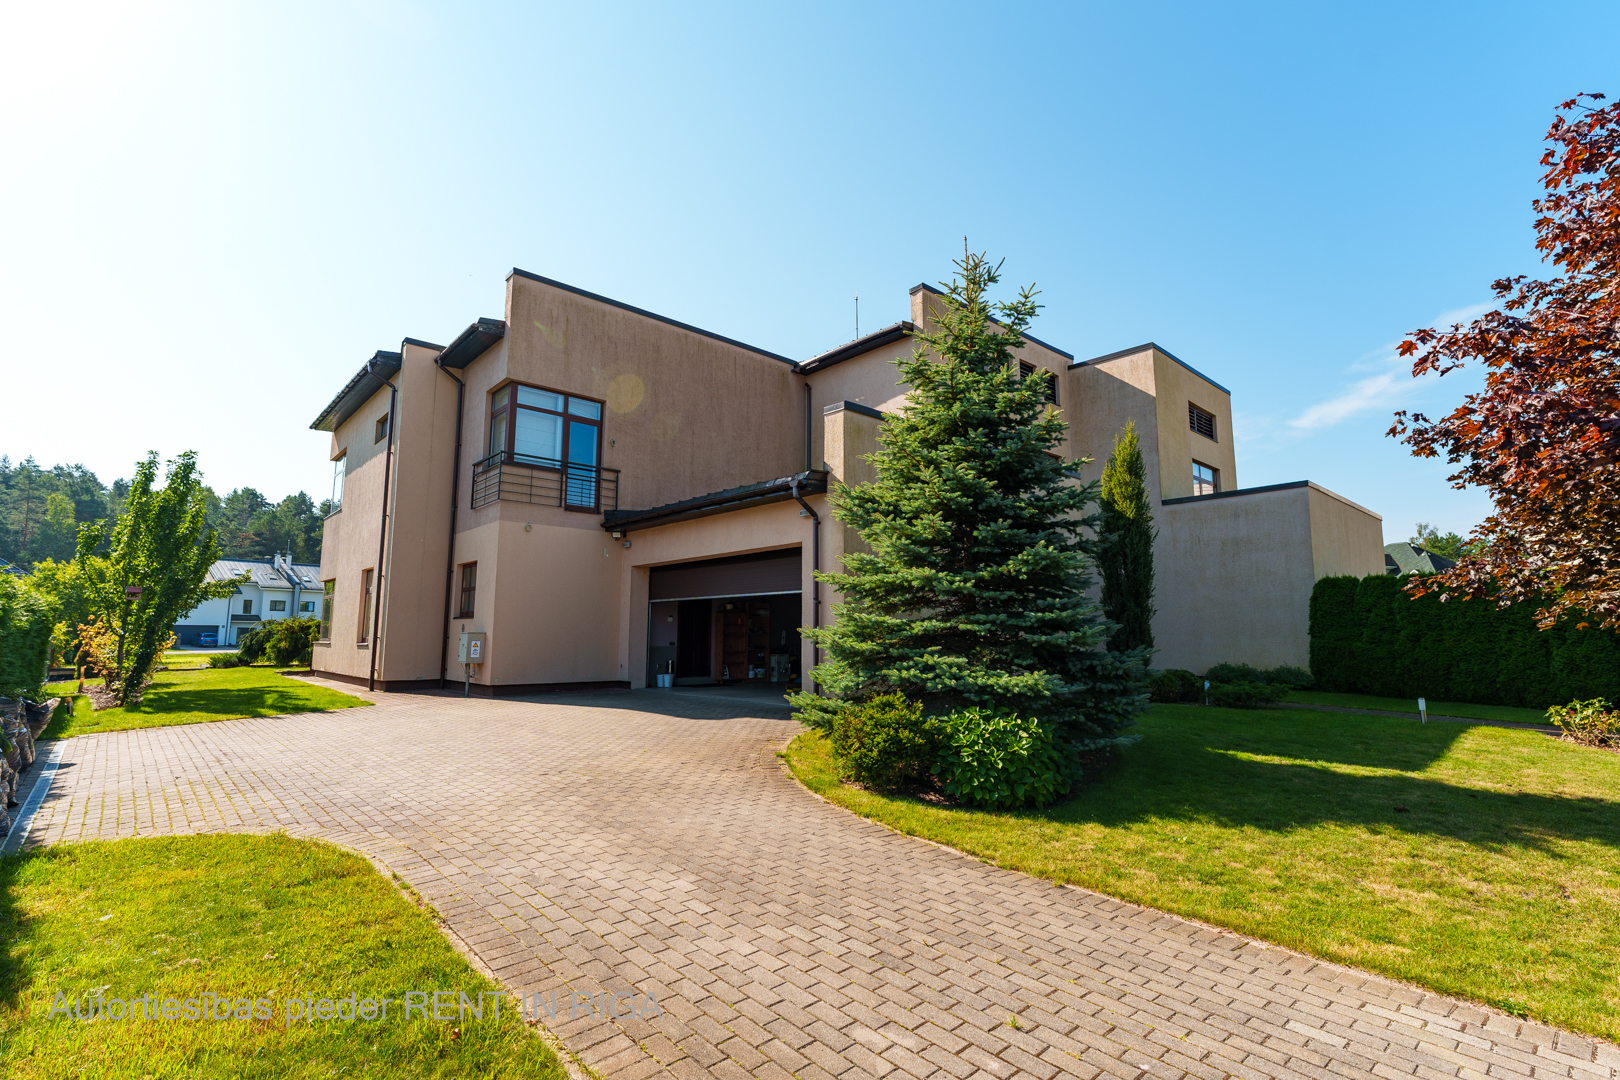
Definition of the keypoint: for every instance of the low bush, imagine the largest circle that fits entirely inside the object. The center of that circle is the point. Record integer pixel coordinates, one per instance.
(224, 660)
(1245, 695)
(292, 640)
(1001, 761)
(885, 742)
(1292, 677)
(1590, 723)
(1176, 684)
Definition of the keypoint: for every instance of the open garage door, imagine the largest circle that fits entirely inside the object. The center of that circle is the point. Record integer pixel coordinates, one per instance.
(728, 620)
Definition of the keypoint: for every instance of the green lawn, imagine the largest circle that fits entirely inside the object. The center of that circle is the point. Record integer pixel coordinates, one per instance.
(1409, 705)
(1479, 861)
(192, 697)
(243, 917)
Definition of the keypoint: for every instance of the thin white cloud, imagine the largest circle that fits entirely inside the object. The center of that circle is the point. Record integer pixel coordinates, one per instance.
(1390, 385)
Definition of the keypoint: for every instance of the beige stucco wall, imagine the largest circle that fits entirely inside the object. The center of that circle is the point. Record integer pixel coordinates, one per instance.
(1234, 575)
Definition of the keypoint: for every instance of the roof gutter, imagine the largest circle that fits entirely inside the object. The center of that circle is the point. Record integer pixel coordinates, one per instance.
(810, 482)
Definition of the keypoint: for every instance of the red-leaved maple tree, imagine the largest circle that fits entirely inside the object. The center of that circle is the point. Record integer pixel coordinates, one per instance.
(1543, 437)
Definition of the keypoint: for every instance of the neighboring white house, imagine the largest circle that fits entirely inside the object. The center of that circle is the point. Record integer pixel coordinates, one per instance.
(276, 588)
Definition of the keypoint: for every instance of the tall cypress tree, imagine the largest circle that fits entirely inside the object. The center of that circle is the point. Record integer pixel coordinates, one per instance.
(1125, 550)
(974, 593)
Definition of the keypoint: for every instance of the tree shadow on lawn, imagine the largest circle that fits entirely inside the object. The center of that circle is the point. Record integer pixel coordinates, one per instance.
(1198, 772)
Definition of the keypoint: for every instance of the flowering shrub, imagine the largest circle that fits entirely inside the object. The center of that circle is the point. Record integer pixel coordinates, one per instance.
(1590, 723)
(1001, 761)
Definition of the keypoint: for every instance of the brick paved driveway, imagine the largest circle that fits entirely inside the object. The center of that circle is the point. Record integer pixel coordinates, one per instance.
(627, 842)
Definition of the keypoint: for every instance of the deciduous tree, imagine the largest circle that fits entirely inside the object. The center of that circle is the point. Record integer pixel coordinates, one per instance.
(158, 552)
(1543, 437)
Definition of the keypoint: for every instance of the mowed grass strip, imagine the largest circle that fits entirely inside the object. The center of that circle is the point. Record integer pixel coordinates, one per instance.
(1479, 861)
(244, 917)
(1510, 713)
(194, 697)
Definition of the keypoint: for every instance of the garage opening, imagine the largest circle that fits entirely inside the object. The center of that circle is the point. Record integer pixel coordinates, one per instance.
(730, 621)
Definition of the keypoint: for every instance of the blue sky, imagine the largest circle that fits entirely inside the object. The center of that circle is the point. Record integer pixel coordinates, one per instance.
(210, 214)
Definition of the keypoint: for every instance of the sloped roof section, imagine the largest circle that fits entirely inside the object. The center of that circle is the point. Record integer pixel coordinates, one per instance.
(366, 382)
(1403, 559)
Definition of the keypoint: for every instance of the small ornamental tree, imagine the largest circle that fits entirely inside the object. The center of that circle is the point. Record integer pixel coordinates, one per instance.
(974, 592)
(1543, 437)
(1125, 545)
(157, 555)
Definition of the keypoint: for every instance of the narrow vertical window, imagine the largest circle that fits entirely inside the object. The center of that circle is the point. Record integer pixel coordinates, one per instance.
(382, 428)
(469, 589)
(247, 607)
(340, 467)
(1200, 421)
(326, 610)
(365, 606)
(1206, 481)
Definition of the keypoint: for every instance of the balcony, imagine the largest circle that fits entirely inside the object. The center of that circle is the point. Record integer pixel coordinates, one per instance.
(544, 482)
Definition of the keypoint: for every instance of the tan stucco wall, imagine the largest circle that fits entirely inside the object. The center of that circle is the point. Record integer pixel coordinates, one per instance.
(1233, 576)
(1179, 446)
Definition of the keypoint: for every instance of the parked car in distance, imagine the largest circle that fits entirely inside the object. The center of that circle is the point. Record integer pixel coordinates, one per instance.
(207, 641)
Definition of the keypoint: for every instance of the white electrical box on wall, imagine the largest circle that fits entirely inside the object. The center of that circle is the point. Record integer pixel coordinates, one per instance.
(473, 648)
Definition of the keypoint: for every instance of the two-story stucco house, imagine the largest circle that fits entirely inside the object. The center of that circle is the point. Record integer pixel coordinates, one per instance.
(609, 495)
(274, 588)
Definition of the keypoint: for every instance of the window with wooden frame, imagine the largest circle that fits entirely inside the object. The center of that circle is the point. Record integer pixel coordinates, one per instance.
(1026, 369)
(1200, 421)
(469, 589)
(327, 596)
(1206, 480)
(382, 429)
(548, 429)
(365, 607)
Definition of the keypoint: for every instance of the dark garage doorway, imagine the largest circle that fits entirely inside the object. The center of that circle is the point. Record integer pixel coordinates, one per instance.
(688, 608)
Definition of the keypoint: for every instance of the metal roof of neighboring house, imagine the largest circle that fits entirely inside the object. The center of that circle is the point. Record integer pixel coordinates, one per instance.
(1403, 559)
(267, 574)
(366, 382)
(12, 568)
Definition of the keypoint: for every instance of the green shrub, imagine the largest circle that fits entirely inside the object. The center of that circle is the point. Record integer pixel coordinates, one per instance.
(1001, 761)
(289, 640)
(224, 660)
(1176, 684)
(250, 646)
(1245, 695)
(885, 742)
(27, 619)
(1292, 677)
(1590, 723)
(1295, 678)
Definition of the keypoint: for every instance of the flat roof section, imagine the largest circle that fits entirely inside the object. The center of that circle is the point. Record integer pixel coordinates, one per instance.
(809, 482)
(1133, 350)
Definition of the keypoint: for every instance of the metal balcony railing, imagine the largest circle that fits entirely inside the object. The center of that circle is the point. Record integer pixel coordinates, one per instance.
(544, 482)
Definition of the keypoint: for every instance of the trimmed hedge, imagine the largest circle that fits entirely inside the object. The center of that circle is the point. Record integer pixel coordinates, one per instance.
(26, 622)
(1369, 637)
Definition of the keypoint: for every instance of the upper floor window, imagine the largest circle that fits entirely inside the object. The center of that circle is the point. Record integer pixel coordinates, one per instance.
(1206, 481)
(340, 468)
(1201, 421)
(306, 606)
(247, 607)
(543, 427)
(382, 428)
(278, 605)
(1026, 369)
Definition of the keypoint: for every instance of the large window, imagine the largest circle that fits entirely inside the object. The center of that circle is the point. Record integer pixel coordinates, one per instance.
(469, 589)
(278, 605)
(1201, 421)
(326, 610)
(365, 607)
(550, 430)
(1206, 481)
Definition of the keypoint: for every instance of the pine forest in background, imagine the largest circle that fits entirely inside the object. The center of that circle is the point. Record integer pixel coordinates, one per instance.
(41, 510)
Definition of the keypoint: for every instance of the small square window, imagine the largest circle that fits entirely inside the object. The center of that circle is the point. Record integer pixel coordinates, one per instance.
(1026, 369)
(1206, 480)
(1201, 421)
(382, 428)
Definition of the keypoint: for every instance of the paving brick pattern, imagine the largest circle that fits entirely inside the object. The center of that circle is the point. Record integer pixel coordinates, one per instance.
(630, 843)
